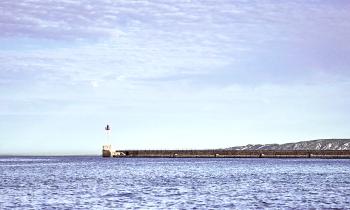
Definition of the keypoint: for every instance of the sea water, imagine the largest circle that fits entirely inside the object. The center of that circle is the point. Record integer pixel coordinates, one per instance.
(173, 183)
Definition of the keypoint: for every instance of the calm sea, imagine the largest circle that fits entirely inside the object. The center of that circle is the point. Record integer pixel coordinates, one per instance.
(97, 183)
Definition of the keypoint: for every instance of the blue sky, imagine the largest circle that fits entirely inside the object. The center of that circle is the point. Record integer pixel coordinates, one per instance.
(171, 74)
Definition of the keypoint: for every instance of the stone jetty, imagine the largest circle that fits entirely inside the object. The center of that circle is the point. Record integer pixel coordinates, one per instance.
(224, 153)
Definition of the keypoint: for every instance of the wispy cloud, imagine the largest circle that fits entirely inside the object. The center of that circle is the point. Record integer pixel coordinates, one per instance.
(131, 39)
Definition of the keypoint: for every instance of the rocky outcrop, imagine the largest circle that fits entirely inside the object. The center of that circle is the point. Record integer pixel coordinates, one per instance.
(320, 144)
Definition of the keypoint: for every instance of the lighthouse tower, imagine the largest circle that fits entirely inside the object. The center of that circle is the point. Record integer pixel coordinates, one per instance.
(107, 148)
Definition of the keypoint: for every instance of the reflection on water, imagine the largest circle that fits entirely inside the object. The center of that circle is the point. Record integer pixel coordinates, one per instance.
(97, 183)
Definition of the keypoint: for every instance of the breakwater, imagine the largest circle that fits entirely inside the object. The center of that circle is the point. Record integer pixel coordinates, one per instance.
(222, 153)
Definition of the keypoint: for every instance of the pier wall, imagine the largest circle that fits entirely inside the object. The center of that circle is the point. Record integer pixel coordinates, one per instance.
(235, 153)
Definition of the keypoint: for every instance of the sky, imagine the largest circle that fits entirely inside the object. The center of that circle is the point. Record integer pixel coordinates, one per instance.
(175, 74)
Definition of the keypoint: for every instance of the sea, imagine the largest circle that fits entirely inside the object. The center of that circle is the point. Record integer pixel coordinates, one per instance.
(173, 183)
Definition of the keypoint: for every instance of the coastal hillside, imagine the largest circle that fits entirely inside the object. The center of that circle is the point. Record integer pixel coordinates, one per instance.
(320, 144)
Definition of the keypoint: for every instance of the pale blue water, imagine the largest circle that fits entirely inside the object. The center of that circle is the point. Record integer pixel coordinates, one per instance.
(97, 183)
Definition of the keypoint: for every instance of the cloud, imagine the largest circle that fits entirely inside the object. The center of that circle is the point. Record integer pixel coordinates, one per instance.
(232, 42)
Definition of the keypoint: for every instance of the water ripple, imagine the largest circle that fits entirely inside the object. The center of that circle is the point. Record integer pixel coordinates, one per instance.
(97, 183)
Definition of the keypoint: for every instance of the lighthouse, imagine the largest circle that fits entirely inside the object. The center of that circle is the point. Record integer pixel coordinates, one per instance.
(108, 133)
(107, 148)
